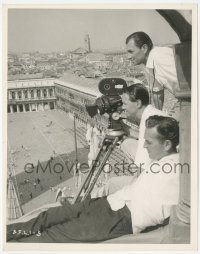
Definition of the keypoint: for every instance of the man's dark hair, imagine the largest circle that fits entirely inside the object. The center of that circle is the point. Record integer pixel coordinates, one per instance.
(140, 38)
(167, 128)
(138, 92)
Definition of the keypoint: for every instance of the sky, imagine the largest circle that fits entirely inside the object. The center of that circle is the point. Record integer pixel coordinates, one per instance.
(53, 30)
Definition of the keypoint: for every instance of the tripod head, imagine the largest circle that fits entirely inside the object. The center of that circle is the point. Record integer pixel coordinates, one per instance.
(115, 127)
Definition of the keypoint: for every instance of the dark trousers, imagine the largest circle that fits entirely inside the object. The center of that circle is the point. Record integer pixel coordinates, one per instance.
(89, 221)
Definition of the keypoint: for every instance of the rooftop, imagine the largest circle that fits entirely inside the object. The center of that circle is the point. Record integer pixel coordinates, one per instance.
(30, 83)
(96, 57)
(85, 85)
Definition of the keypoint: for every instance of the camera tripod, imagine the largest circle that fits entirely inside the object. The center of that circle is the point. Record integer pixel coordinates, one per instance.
(108, 144)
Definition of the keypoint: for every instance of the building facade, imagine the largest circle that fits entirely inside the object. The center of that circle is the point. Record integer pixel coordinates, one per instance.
(73, 94)
(31, 95)
(69, 93)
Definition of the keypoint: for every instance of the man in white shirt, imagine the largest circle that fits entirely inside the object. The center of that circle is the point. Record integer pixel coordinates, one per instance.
(137, 109)
(144, 197)
(160, 65)
(145, 203)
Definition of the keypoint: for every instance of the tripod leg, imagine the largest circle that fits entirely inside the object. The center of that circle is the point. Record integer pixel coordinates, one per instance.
(89, 176)
(100, 168)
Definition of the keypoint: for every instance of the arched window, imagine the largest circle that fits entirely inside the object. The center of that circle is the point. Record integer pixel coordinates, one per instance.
(13, 95)
(44, 93)
(32, 94)
(38, 93)
(50, 92)
(25, 94)
(19, 93)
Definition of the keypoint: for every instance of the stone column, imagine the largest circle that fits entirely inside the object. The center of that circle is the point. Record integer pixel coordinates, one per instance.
(30, 107)
(11, 108)
(24, 109)
(47, 92)
(22, 91)
(29, 94)
(35, 94)
(179, 225)
(41, 93)
(10, 95)
(17, 108)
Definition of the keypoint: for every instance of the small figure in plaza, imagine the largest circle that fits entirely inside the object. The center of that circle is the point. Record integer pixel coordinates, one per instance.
(26, 180)
(21, 195)
(35, 184)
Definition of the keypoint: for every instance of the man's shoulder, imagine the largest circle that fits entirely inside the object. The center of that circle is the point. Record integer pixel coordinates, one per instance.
(161, 49)
(159, 54)
(173, 158)
(151, 111)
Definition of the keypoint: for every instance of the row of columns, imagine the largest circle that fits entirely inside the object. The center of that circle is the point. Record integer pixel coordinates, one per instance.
(29, 107)
(29, 95)
(77, 96)
(99, 122)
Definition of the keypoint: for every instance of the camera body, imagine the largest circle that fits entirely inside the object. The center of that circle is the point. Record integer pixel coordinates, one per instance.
(112, 86)
(110, 101)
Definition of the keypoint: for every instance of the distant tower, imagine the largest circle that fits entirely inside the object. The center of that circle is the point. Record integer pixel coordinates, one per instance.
(87, 43)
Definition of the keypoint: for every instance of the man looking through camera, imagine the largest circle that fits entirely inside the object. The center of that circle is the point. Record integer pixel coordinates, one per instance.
(137, 109)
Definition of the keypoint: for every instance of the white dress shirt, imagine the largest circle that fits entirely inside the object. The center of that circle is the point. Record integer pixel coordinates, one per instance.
(142, 155)
(162, 60)
(151, 195)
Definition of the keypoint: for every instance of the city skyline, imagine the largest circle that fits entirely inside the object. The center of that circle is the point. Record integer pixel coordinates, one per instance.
(57, 30)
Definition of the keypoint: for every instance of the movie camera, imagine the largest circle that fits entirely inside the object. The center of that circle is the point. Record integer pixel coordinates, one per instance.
(110, 102)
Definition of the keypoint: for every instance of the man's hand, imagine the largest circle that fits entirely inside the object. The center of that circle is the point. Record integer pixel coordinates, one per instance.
(65, 200)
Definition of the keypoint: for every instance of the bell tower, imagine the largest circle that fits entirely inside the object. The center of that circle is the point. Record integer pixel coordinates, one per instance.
(87, 43)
